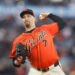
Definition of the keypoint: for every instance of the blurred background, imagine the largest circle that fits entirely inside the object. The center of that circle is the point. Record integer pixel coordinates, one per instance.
(11, 26)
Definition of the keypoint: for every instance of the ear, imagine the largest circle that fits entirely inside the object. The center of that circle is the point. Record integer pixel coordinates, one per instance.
(35, 18)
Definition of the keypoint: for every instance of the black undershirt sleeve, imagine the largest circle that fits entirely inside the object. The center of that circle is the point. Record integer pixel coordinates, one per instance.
(57, 19)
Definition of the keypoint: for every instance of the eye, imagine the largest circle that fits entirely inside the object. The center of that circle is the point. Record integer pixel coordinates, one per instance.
(23, 17)
(28, 16)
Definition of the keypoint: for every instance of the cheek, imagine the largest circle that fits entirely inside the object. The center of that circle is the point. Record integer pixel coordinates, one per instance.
(32, 19)
(23, 20)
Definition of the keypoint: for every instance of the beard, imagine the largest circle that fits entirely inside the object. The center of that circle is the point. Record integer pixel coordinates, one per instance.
(27, 25)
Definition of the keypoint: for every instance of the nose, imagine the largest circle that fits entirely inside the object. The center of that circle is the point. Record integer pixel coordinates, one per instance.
(26, 18)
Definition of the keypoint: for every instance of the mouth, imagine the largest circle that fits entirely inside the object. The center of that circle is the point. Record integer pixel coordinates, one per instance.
(27, 25)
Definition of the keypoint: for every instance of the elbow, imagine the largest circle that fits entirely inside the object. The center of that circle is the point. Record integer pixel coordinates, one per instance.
(62, 25)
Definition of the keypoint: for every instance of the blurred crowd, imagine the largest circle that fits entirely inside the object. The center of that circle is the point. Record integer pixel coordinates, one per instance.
(37, 2)
(10, 29)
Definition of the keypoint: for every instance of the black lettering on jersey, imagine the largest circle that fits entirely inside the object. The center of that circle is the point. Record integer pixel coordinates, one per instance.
(45, 42)
(39, 38)
(41, 35)
(30, 43)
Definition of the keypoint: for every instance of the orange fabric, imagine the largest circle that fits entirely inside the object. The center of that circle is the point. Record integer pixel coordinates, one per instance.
(52, 28)
(42, 52)
(25, 9)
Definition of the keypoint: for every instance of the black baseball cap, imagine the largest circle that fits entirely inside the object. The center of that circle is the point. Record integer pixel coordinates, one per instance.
(26, 11)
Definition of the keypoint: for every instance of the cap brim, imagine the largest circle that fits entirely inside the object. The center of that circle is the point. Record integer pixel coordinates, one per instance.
(24, 12)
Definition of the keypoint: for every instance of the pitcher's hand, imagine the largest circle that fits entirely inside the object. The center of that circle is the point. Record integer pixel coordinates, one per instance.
(43, 16)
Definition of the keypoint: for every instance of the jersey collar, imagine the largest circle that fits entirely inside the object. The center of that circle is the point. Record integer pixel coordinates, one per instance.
(30, 31)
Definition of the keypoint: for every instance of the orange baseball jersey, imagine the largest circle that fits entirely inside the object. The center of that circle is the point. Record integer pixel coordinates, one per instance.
(40, 47)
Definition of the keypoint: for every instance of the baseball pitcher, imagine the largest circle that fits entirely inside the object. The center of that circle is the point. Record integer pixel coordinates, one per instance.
(36, 43)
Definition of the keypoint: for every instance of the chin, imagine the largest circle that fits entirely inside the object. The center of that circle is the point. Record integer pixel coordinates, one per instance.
(28, 26)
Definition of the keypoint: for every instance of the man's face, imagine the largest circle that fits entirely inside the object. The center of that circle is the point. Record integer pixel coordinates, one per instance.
(28, 20)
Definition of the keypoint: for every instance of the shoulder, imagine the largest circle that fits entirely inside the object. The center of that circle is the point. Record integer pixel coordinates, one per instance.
(43, 26)
(17, 39)
(49, 25)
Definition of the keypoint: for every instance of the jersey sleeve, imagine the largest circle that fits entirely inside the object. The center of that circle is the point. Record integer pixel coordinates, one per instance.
(52, 28)
(16, 41)
(59, 20)
(12, 55)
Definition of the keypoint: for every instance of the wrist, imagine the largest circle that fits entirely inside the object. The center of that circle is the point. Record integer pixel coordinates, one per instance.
(50, 15)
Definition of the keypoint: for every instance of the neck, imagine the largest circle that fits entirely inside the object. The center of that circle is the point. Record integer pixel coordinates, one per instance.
(29, 29)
